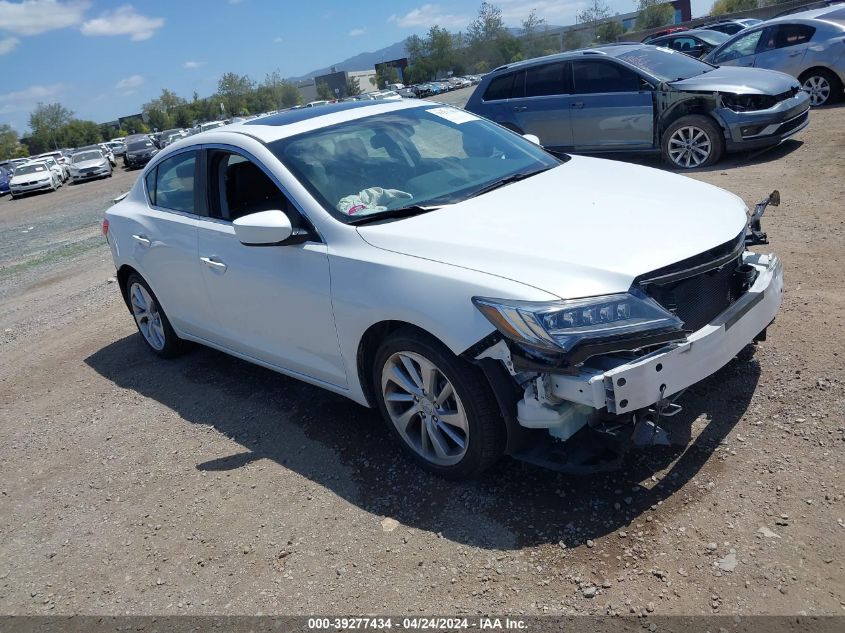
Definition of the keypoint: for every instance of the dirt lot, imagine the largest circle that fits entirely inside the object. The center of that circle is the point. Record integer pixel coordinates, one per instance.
(206, 485)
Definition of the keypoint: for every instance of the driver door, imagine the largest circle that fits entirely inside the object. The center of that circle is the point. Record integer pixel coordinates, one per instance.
(272, 303)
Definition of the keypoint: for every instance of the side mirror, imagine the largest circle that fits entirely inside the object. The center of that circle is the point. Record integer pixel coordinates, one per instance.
(265, 228)
(532, 137)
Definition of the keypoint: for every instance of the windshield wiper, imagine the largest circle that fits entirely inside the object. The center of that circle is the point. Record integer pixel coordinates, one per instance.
(522, 175)
(401, 212)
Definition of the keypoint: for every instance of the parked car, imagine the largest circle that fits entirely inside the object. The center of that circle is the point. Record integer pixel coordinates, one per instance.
(5, 177)
(89, 164)
(61, 159)
(808, 45)
(52, 164)
(139, 152)
(638, 97)
(694, 42)
(731, 27)
(431, 295)
(672, 29)
(118, 149)
(407, 93)
(31, 177)
(210, 125)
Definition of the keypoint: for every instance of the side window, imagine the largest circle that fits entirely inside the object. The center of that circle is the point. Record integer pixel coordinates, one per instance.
(549, 79)
(239, 187)
(599, 76)
(784, 35)
(682, 44)
(500, 88)
(174, 183)
(744, 46)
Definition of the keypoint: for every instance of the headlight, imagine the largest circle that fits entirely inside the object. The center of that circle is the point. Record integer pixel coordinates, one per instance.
(561, 325)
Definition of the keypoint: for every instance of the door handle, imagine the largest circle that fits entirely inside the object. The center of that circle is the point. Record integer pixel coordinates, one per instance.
(577, 104)
(520, 108)
(141, 240)
(796, 53)
(208, 261)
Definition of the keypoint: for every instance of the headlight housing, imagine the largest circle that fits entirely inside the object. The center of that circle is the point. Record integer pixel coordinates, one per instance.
(561, 326)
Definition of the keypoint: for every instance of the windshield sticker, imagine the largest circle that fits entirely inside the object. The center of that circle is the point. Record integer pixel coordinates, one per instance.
(453, 114)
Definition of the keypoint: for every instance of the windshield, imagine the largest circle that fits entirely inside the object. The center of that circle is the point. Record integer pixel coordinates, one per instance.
(418, 157)
(139, 145)
(29, 169)
(664, 64)
(83, 156)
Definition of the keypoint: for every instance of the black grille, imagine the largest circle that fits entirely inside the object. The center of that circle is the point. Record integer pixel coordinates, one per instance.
(697, 300)
(794, 123)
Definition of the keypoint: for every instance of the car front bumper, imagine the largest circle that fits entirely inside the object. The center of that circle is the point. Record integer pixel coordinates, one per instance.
(39, 186)
(641, 383)
(763, 128)
(103, 171)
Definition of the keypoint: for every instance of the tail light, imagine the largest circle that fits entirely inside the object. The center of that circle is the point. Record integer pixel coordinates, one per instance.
(106, 227)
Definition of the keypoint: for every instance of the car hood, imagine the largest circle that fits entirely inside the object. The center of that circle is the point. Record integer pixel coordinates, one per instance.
(739, 80)
(96, 162)
(39, 175)
(587, 227)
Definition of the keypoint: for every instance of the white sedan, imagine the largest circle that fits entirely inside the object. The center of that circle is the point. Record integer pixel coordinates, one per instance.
(486, 296)
(32, 177)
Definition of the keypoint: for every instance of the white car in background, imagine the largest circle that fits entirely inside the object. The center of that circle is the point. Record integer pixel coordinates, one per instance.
(486, 296)
(210, 125)
(89, 164)
(60, 159)
(55, 167)
(31, 177)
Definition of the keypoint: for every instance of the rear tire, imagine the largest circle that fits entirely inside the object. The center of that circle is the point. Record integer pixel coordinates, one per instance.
(693, 141)
(438, 406)
(822, 85)
(152, 322)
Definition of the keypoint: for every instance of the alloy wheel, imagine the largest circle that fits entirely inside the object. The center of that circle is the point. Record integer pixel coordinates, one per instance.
(425, 408)
(147, 316)
(689, 146)
(818, 88)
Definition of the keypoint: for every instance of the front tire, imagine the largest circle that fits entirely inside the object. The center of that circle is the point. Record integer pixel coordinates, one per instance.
(693, 141)
(152, 322)
(438, 406)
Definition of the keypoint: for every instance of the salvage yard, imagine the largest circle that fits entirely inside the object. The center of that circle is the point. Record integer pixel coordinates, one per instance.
(205, 485)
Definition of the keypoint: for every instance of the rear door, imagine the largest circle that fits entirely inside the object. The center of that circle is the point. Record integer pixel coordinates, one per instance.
(611, 108)
(783, 46)
(541, 106)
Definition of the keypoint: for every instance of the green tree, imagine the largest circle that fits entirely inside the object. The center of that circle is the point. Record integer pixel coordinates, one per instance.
(723, 7)
(609, 31)
(487, 38)
(10, 144)
(596, 11)
(572, 40)
(386, 75)
(653, 14)
(533, 28)
(351, 89)
(45, 121)
(77, 133)
(134, 125)
(324, 92)
(232, 91)
(159, 119)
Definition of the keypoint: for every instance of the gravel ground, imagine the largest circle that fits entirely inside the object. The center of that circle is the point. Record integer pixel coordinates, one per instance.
(209, 486)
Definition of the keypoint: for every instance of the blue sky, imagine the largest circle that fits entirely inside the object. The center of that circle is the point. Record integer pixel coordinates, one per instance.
(103, 59)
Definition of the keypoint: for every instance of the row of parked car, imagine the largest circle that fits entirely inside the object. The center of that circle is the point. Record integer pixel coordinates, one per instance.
(634, 97)
(49, 171)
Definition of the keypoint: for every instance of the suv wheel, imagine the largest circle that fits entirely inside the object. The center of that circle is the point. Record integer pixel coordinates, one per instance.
(439, 406)
(151, 320)
(693, 141)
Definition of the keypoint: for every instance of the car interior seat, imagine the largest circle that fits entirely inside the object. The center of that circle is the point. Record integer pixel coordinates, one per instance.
(249, 190)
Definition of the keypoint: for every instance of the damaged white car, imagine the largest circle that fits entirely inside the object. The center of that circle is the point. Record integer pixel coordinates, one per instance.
(486, 296)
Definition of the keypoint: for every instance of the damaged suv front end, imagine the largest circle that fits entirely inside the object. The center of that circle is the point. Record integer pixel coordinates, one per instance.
(602, 374)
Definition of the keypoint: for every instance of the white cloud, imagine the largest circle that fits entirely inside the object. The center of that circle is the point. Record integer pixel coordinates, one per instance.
(356, 32)
(6, 45)
(190, 64)
(553, 11)
(235, 1)
(32, 17)
(278, 40)
(26, 99)
(128, 84)
(429, 15)
(123, 21)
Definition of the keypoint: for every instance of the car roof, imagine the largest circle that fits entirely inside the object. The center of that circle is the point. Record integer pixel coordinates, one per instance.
(701, 31)
(610, 50)
(834, 14)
